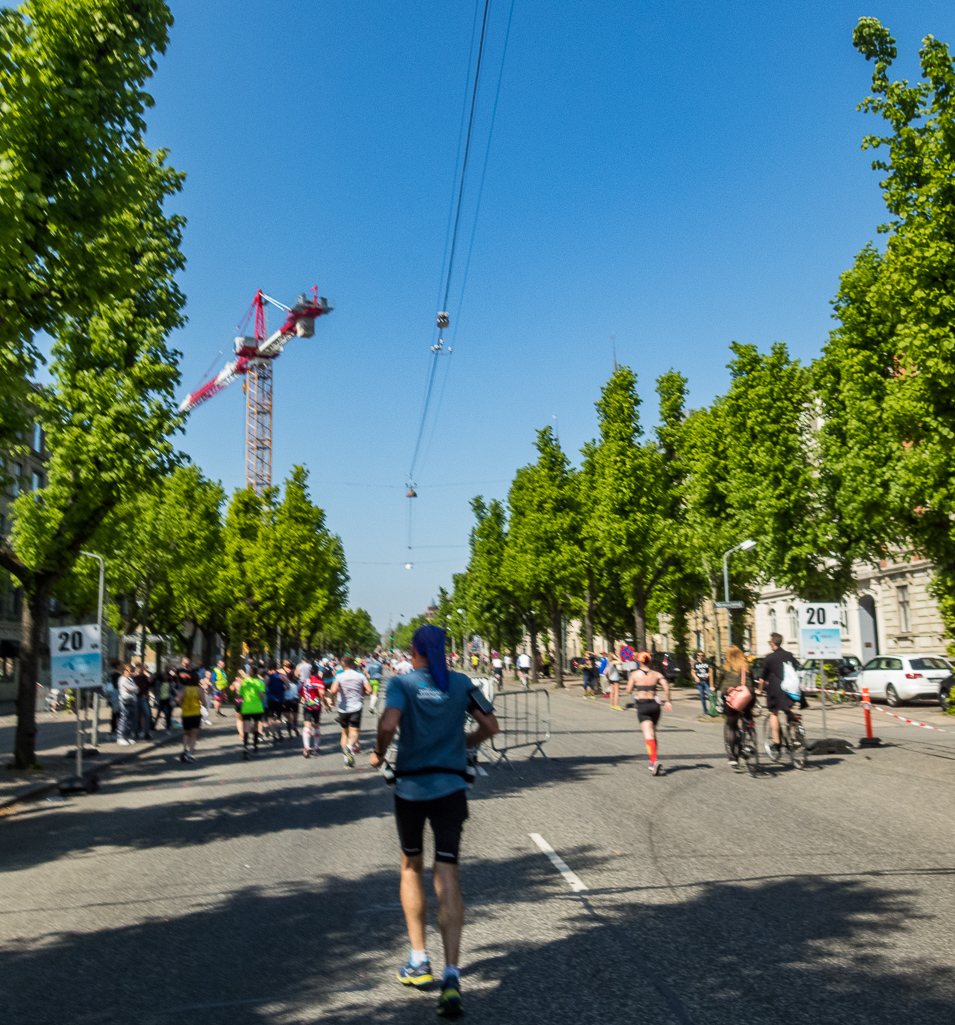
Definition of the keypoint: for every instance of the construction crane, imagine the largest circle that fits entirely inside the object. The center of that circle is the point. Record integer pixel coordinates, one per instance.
(254, 356)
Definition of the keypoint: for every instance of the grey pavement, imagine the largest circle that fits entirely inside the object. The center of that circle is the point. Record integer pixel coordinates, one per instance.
(55, 749)
(266, 891)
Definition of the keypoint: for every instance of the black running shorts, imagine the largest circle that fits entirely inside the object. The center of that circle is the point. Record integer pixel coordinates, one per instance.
(648, 711)
(191, 722)
(312, 714)
(253, 717)
(276, 708)
(447, 816)
(350, 719)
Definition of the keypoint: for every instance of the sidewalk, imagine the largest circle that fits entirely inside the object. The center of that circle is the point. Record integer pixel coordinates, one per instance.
(56, 736)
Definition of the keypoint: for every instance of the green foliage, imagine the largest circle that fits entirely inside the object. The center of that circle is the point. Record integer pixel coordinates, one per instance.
(887, 375)
(350, 631)
(284, 573)
(80, 226)
(542, 560)
(492, 607)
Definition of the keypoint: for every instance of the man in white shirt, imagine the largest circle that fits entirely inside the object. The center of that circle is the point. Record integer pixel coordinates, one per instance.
(351, 688)
(402, 666)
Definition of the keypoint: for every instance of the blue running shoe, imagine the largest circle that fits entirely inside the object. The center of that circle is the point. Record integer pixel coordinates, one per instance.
(450, 1004)
(418, 976)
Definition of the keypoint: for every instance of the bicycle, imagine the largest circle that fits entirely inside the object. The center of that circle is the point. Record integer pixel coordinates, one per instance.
(792, 738)
(746, 744)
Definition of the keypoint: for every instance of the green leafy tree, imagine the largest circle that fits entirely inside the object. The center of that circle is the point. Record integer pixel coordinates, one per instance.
(71, 171)
(633, 519)
(491, 600)
(886, 376)
(95, 244)
(165, 560)
(543, 558)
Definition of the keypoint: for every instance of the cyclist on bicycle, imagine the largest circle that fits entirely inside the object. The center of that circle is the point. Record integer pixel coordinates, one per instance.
(735, 673)
(777, 700)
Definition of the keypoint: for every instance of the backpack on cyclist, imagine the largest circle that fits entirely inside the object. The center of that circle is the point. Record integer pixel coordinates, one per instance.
(790, 682)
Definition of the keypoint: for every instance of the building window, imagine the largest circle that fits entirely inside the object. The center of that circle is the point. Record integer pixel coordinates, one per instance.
(698, 640)
(792, 618)
(17, 474)
(36, 480)
(905, 610)
(772, 621)
(844, 617)
(38, 439)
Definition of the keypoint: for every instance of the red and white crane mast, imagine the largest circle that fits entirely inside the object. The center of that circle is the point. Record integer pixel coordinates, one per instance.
(254, 356)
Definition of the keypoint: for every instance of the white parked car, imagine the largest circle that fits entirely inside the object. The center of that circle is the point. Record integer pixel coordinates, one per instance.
(898, 678)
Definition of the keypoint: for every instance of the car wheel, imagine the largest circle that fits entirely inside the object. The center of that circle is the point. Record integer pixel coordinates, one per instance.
(892, 697)
(943, 696)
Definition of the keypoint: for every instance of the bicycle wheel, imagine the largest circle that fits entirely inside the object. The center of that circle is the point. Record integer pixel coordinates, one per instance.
(749, 749)
(796, 745)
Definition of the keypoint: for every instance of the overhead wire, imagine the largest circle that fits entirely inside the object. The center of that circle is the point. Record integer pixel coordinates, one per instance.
(454, 239)
(467, 262)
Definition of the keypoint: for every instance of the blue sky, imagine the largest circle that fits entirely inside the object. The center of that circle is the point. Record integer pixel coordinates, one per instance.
(678, 175)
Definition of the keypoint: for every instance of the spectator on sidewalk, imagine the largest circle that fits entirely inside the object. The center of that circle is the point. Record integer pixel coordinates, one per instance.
(144, 716)
(128, 705)
(111, 693)
(163, 691)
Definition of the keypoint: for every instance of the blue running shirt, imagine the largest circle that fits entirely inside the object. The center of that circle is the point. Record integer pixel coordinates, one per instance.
(431, 733)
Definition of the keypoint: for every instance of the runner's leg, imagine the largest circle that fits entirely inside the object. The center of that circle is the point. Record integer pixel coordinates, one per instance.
(450, 909)
(414, 902)
(649, 738)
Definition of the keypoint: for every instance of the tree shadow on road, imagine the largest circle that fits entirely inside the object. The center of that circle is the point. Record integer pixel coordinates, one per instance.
(794, 949)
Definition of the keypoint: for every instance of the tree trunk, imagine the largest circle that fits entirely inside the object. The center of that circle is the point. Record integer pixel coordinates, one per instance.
(589, 614)
(535, 651)
(208, 638)
(558, 649)
(33, 626)
(513, 654)
(639, 626)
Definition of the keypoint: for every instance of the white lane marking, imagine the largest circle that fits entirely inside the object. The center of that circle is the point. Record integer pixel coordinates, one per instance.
(573, 880)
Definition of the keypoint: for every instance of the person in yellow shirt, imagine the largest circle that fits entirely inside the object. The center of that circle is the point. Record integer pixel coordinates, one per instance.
(191, 700)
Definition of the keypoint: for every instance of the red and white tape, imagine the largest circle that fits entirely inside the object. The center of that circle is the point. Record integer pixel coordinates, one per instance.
(815, 690)
(901, 718)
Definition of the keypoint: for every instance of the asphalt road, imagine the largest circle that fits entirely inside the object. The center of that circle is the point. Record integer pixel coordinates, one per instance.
(266, 892)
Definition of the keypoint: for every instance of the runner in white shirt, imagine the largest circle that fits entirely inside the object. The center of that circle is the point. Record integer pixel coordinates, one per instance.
(402, 667)
(524, 667)
(351, 688)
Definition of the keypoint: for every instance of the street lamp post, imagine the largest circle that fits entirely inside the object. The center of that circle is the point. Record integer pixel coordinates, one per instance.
(745, 546)
(99, 622)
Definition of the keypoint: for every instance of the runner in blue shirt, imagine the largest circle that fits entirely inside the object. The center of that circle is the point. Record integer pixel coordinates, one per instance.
(373, 672)
(431, 704)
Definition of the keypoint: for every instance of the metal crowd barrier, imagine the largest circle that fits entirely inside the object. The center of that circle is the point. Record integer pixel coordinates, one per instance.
(524, 718)
(488, 685)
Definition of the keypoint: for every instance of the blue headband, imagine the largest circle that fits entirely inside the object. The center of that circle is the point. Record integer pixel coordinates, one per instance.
(430, 641)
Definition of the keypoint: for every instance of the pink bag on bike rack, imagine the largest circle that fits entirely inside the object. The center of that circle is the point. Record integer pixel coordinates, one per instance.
(738, 698)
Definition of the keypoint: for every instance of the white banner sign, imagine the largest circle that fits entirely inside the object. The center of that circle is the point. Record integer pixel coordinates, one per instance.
(75, 657)
(820, 635)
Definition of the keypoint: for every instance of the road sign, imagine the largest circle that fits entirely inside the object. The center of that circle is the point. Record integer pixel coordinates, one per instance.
(75, 657)
(729, 605)
(819, 629)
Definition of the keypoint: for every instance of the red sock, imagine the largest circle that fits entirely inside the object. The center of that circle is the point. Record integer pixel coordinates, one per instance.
(652, 748)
